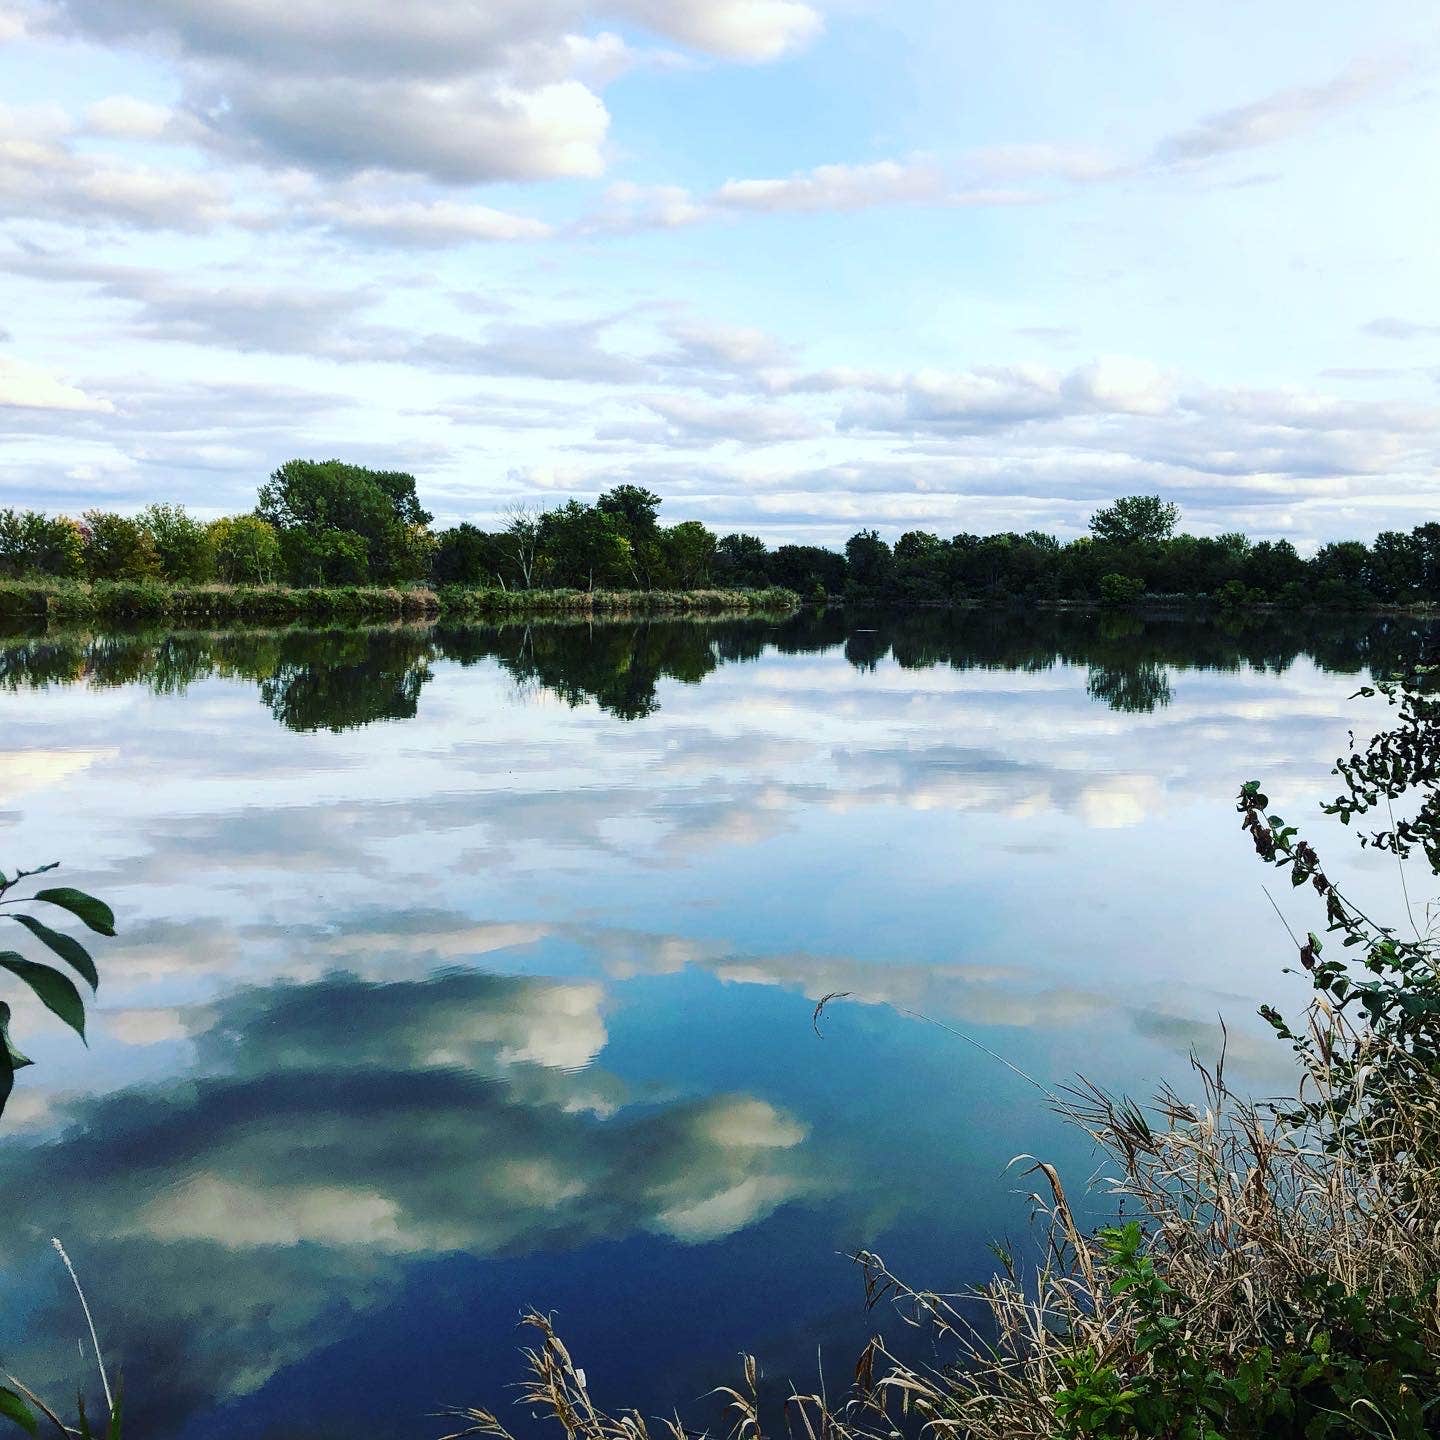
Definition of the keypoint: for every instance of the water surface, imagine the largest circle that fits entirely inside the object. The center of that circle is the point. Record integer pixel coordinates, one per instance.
(465, 969)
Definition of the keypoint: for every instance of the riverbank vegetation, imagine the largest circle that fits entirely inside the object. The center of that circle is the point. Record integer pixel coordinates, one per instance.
(327, 525)
(1274, 1269)
(131, 600)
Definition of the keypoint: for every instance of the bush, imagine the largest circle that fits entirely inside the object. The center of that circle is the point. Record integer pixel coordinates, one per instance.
(1118, 592)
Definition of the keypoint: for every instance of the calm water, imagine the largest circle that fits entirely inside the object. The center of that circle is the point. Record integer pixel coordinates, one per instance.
(462, 970)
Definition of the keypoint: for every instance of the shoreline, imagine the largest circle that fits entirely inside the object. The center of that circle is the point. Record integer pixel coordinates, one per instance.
(124, 601)
(27, 601)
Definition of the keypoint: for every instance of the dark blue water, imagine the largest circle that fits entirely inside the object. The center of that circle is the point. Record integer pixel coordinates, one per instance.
(464, 970)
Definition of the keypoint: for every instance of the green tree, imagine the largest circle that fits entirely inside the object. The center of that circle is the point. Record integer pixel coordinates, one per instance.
(1135, 518)
(247, 550)
(871, 565)
(324, 557)
(467, 555)
(118, 548)
(313, 497)
(688, 551)
(36, 544)
(182, 544)
(634, 508)
(741, 560)
(582, 546)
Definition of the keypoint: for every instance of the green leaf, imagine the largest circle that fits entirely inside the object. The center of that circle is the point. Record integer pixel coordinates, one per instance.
(65, 946)
(7, 1045)
(57, 992)
(12, 1407)
(95, 913)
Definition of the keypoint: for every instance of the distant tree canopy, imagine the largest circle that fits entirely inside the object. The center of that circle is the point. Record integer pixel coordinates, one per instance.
(1134, 519)
(332, 523)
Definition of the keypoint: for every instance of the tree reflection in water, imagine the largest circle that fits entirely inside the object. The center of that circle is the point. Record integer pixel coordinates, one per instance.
(340, 678)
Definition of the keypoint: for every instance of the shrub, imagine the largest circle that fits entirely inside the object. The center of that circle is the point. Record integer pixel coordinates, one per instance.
(1118, 592)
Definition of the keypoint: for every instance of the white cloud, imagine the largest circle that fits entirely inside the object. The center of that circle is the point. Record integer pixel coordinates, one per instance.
(701, 422)
(753, 30)
(43, 177)
(460, 93)
(28, 387)
(1276, 117)
(454, 130)
(839, 187)
(425, 223)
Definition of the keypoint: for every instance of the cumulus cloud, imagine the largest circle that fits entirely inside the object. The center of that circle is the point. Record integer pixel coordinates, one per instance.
(43, 176)
(28, 387)
(458, 93)
(455, 131)
(754, 30)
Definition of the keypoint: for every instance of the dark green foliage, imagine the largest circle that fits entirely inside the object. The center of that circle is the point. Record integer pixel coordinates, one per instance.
(32, 544)
(1117, 592)
(584, 547)
(183, 546)
(345, 524)
(1374, 971)
(330, 524)
(1334, 1363)
(633, 508)
(247, 550)
(1134, 519)
(741, 560)
(802, 568)
(51, 986)
(13, 1408)
(468, 555)
(870, 566)
(118, 548)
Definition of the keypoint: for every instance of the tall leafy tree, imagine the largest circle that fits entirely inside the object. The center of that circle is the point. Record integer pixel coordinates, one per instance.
(1135, 518)
(118, 548)
(182, 544)
(583, 546)
(315, 499)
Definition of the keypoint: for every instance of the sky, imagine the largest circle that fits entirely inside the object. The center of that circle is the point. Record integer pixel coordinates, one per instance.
(798, 266)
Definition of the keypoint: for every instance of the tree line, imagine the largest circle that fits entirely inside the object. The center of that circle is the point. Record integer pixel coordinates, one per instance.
(330, 523)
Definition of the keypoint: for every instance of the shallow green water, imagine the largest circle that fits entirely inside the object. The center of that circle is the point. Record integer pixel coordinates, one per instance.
(463, 969)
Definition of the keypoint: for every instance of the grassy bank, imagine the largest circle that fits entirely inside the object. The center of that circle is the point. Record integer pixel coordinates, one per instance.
(150, 600)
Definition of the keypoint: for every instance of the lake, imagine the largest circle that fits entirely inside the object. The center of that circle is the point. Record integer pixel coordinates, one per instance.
(465, 969)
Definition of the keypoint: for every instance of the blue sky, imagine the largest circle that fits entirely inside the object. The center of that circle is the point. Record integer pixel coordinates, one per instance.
(796, 265)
